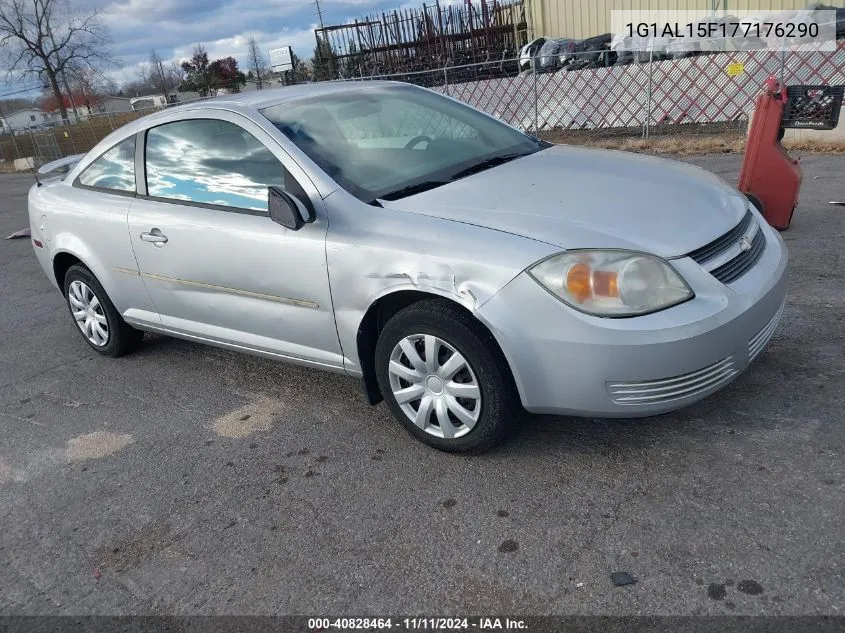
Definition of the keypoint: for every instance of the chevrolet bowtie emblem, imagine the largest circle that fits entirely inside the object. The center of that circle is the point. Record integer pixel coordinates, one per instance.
(744, 244)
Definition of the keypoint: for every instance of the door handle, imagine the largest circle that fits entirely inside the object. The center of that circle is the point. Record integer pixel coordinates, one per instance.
(155, 236)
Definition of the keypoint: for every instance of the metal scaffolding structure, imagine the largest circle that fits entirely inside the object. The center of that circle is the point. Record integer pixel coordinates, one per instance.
(434, 36)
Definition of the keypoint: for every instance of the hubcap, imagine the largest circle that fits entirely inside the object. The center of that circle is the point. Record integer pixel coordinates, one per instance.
(434, 386)
(88, 313)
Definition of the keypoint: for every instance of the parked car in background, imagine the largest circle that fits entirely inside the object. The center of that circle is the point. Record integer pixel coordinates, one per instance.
(463, 270)
(528, 52)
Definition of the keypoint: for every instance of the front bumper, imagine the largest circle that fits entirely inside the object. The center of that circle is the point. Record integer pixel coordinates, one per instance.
(571, 363)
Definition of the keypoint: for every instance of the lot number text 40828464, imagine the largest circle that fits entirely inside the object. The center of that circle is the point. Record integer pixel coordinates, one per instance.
(416, 624)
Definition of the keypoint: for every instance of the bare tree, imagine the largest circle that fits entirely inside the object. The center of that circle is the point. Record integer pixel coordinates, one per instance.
(110, 86)
(157, 76)
(255, 61)
(146, 82)
(167, 76)
(47, 37)
(87, 85)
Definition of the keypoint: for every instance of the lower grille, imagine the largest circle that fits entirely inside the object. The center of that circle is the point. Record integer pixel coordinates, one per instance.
(671, 389)
(759, 340)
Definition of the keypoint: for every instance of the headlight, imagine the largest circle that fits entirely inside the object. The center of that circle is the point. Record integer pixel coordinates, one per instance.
(612, 283)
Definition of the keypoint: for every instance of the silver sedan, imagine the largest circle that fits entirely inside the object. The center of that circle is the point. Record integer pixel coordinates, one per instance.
(463, 270)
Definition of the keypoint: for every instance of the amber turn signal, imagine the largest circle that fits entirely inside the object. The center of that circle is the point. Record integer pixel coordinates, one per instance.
(583, 283)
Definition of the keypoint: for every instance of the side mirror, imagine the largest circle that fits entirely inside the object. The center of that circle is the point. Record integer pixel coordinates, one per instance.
(286, 210)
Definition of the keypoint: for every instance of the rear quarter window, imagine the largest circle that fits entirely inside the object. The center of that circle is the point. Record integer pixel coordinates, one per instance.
(114, 170)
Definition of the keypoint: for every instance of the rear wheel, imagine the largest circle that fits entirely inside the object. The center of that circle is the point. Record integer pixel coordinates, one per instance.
(445, 379)
(95, 316)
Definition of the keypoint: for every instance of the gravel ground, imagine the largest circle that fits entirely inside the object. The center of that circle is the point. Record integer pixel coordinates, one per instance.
(137, 485)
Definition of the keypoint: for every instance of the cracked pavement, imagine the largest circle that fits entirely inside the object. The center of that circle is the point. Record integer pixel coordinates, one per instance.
(190, 480)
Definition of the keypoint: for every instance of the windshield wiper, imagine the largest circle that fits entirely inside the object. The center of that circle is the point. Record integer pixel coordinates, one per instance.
(487, 163)
(412, 189)
(419, 187)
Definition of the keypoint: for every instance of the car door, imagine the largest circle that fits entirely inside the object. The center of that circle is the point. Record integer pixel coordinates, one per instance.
(217, 267)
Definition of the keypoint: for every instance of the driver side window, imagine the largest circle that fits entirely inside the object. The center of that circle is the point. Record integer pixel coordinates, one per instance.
(212, 162)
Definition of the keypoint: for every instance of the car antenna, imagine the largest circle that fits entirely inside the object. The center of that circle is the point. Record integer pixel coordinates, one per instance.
(35, 173)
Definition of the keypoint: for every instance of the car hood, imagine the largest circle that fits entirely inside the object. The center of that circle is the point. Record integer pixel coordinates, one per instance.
(575, 197)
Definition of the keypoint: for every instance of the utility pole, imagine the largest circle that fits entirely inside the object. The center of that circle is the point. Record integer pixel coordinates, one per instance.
(323, 33)
(319, 14)
(160, 70)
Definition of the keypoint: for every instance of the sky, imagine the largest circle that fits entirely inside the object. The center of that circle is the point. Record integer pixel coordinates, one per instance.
(174, 27)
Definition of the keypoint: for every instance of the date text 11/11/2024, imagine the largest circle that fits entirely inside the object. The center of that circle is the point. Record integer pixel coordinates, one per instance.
(723, 29)
(416, 623)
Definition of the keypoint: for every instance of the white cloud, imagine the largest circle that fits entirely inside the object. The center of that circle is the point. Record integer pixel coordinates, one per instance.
(173, 27)
(302, 42)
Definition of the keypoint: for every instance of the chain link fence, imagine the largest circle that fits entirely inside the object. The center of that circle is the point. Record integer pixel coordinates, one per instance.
(708, 94)
(705, 94)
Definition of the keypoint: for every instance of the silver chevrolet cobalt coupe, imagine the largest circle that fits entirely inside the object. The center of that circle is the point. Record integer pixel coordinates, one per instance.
(463, 270)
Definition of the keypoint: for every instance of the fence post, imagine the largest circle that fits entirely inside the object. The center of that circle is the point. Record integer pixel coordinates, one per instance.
(536, 103)
(648, 100)
(36, 150)
(446, 78)
(11, 133)
(94, 139)
(111, 125)
(70, 136)
(15, 143)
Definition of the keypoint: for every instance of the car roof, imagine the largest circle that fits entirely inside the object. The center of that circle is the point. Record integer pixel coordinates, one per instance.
(258, 99)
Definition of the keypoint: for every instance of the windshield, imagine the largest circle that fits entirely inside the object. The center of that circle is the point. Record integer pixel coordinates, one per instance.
(390, 141)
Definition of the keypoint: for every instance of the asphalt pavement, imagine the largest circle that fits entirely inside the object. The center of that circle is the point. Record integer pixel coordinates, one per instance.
(185, 479)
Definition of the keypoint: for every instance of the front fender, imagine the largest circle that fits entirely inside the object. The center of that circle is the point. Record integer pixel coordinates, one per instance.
(373, 252)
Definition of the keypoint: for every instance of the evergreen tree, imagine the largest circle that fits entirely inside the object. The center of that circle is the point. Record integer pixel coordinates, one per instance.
(324, 65)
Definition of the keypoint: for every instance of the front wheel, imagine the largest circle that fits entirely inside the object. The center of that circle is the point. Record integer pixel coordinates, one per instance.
(445, 379)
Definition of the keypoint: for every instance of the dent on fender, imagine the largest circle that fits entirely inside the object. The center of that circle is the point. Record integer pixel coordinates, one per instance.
(438, 278)
(468, 284)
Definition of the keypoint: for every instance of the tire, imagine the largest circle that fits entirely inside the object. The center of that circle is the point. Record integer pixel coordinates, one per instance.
(481, 422)
(103, 328)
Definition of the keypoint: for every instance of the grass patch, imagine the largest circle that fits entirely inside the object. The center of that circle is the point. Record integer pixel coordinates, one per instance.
(681, 140)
